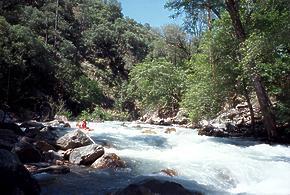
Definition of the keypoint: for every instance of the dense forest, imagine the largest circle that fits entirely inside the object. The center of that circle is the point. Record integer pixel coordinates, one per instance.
(84, 58)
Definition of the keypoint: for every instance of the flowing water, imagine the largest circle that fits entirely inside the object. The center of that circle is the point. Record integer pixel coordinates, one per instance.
(206, 164)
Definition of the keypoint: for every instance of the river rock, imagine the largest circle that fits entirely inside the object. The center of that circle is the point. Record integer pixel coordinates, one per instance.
(212, 131)
(52, 156)
(154, 186)
(169, 130)
(32, 125)
(26, 152)
(73, 139)
(149, 131)
(47, 134)
(86, 155)
(109, 160)
(55, 169)
(43, 146)
(13, 127)
(7, 139)
(169, 172)
(14, 177)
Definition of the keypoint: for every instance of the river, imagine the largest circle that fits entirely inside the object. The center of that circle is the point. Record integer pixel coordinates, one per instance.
(206, 164)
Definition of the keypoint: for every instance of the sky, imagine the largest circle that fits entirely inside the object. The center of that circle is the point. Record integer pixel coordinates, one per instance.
(148, 11)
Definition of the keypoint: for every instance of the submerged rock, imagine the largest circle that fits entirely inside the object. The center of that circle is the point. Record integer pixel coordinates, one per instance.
(149, 131)
(73, 139)
(110, 160)
(169, 130)
(15, 179)
(55, 169)
(154, 186)
(86, 155)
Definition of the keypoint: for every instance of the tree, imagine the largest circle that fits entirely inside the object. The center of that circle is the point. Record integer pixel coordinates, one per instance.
(248, 33)
(156, 84)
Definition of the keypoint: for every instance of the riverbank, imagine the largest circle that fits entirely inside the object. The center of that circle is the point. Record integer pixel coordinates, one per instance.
(231, 122)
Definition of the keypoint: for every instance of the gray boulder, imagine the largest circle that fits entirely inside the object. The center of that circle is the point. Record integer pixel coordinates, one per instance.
(110, 160)
(73, 139)
(47, 134)
(86, 155)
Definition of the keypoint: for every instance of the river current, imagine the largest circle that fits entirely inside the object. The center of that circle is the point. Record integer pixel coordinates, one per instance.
(206, 164)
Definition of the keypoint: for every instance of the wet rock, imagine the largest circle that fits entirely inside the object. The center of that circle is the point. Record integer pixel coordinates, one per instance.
(55, 169)
(13, 127)
(7, 139)
(67, 153)
(109, 160)
(169, 172)
(32, 125)
(47, 134)
(31, 132)
(86, 155)
(14, 177)
(154, 186)
(169, 130)
(26, 152)
(212, 131)
(52, 156)
(149, 131)
(59, 123)
(73, 139)
(43, 146)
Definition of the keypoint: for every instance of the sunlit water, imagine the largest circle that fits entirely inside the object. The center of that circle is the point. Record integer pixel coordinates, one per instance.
(206, 164)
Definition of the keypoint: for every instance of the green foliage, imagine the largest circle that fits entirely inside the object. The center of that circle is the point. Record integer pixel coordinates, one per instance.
(46, 45)
(99, 114)
(87, 91)
(156, 84)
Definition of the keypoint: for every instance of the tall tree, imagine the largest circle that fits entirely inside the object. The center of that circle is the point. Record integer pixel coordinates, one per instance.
(262, 95)
(193, 8)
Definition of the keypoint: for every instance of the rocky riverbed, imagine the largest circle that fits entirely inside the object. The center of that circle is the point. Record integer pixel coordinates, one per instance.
(33, 152)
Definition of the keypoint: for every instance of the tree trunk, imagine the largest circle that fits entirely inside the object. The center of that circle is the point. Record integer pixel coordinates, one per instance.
(264, 102)
(56, 22)
(247, 96)
(46, 29)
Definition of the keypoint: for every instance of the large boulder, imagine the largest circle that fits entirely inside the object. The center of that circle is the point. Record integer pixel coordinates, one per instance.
(14, 177)
(213, 131)
(109, 160)
(86, 155)
(73, 139)
(26, 152)
(47, 134)
(43, 146)
(154, 186)
(7, 139)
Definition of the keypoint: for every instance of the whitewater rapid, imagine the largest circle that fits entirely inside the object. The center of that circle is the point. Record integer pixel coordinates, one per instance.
(210, 165)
